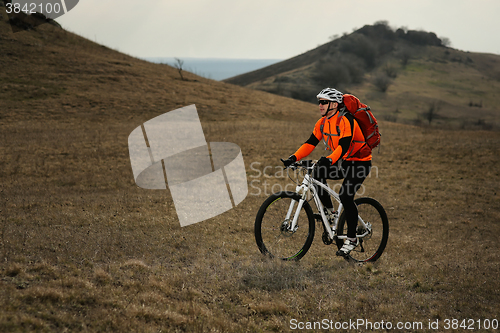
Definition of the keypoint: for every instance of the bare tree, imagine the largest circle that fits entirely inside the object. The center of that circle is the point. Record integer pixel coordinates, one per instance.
(333, 37)
(433, 112)
(179, 65)
(445, 41)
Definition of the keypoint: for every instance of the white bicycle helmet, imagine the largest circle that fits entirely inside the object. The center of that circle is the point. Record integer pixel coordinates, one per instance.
(331, 95)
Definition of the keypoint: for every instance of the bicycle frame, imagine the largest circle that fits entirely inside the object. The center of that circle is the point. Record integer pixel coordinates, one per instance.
(303, 189)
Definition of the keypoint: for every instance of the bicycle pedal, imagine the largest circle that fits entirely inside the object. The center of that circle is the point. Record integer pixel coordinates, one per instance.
(342, 254)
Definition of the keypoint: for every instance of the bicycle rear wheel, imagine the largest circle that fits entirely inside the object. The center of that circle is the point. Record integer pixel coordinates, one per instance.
(372, 245)
(272, 230)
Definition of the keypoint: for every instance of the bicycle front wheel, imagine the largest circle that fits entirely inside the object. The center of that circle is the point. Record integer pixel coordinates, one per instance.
(371, 246)
(273, 230)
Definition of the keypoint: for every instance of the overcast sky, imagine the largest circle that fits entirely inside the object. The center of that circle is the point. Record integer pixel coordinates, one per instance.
(271, 29)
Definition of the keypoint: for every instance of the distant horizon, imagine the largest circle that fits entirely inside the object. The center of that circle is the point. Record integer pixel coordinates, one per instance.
(211, 58)
(216, 68)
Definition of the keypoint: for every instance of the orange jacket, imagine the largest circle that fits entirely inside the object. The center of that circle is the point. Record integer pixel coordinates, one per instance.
(336, 132)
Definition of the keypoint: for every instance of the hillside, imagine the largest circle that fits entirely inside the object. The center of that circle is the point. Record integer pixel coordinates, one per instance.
(54, 79)
(406, 76)
(83, 249)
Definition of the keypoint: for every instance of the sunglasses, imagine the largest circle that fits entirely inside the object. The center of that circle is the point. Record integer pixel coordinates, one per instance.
(323, 102)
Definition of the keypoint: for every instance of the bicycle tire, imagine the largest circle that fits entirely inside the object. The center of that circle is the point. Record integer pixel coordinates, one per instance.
(372, 246)
(270, 228)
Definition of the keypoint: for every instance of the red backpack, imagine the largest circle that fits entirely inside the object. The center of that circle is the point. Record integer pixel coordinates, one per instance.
(366, 121)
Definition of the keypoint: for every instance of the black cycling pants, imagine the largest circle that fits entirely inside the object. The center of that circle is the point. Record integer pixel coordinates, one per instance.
(353, 173)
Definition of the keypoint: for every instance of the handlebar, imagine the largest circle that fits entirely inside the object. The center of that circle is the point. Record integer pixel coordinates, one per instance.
(305, 164)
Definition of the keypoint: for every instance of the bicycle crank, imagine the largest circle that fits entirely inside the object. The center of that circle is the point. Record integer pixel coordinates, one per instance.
(326, 238)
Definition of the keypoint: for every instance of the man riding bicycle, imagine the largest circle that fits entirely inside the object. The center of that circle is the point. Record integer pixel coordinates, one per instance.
(342, 135)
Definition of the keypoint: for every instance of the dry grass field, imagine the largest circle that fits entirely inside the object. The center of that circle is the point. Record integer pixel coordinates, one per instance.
(83, 249)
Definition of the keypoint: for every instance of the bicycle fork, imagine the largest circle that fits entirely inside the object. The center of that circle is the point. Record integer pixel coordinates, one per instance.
(293, 226)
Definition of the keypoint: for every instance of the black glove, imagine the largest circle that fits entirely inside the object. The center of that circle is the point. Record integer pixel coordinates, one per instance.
(292, 159)
(324, 161)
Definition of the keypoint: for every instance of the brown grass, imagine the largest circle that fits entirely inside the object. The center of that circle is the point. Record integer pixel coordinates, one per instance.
(82, 248)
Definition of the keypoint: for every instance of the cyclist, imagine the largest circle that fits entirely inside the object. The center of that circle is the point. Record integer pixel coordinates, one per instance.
(350, 158)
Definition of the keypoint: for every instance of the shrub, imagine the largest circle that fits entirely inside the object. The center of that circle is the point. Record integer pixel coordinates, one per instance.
(306, 95)
(422, 38)
(390, 70)
(339, 70)
(380, 30)
(382, 82)
(331, 74)
(359, 45)
(404, 55)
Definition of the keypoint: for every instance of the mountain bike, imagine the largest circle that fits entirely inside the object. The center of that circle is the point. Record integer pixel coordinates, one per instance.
(285, 223)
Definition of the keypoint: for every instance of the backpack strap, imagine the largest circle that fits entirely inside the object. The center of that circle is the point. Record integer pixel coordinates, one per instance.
(366, 109)
(343, 112)
(327, 135)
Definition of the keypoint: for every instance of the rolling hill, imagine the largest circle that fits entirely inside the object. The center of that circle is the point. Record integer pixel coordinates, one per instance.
(406, 76)
(83, 249)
